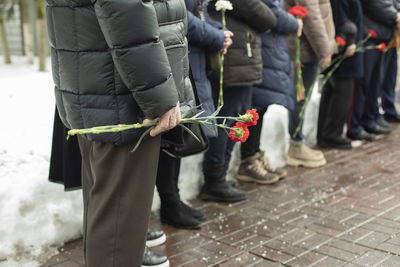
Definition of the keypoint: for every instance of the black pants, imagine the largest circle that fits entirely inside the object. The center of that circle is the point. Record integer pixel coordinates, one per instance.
(167, 178)
(252, 145)
(334, 107)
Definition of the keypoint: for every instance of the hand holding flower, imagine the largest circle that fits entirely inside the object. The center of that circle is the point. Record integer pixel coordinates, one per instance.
(167, 121)
(350, 50)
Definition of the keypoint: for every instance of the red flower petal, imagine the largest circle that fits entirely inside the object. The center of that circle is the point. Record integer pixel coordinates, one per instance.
(298, 11)
(372, 33)
(340, 41)
(382, 47)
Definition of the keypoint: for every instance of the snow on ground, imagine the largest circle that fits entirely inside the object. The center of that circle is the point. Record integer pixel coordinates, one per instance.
(36, 216)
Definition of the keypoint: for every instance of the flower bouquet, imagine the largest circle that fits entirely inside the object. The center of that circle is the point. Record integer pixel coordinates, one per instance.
(238, 133)
(299, 12)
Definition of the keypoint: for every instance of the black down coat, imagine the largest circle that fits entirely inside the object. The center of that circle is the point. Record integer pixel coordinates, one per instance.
(247, 21)
(118, 62)
(379, 15)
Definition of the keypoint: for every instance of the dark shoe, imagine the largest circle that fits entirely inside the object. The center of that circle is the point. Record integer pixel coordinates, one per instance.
(216, 188)
(395, 118)
(339, 142)
(193, 212)
(154, 259)
(378, 130)
(221, 192)
(155, 238)
(383, 123)
(175, 215)
(363, 135)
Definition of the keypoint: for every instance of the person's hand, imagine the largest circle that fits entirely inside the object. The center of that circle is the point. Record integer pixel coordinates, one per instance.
(169, 120)
(398, 21)
(300, 28)
(325, 61)
(227, 42)
(350, 50)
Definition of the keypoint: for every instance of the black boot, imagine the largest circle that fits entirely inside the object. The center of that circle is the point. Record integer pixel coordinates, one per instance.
(216, 188)
(173, 213)
(194, 212)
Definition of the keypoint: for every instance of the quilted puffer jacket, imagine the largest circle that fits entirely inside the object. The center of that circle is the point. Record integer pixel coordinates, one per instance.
(118, 62)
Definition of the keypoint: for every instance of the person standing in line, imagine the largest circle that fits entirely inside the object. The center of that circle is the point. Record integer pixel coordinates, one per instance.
(380, 16)
(242, 69)
(204, 35)
(336, 95)
(317, 45)
(111, 65)
(277, 88)
(387, 90)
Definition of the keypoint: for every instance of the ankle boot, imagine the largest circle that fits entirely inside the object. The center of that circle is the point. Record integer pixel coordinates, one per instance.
(216, 188)
(174, 213)
(193, 212)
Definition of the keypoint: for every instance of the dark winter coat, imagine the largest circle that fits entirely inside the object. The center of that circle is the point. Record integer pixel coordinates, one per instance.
(247, 21)
(277, 86)
(118, 62)
(379, 15)
(202, 37)
(348, 18)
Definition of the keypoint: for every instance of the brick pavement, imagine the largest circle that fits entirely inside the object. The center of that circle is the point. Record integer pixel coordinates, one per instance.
(344, 214)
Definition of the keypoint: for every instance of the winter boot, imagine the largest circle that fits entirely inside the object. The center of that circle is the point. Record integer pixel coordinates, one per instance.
(193, 212)
(280, 172)
(216, 188)
(252, 170)
(174, 213)
(301, 155)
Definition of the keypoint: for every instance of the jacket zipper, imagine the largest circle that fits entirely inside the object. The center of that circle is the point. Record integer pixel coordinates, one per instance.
(248, 45)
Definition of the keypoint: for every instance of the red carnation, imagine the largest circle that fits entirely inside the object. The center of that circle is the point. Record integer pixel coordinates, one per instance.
(298, 11)
(340, 41)
(239, 133)
(253, 116)
(372, 33)
(382, 47)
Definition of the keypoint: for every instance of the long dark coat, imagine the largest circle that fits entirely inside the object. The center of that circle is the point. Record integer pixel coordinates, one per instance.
(277, 86)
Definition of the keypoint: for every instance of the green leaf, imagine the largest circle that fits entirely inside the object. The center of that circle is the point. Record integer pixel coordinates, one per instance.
(190, 132)
(141, 139)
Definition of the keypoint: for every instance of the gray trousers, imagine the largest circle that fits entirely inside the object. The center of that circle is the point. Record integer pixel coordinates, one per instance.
(118, 188)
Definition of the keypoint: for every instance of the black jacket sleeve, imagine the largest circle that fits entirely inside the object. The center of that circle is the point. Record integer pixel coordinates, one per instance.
(131, 30)
(254, 13)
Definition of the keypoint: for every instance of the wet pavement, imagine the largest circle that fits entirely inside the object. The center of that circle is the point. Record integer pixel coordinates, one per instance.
(344, 214)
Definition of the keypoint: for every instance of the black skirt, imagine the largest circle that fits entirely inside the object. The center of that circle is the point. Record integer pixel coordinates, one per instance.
(65, 160)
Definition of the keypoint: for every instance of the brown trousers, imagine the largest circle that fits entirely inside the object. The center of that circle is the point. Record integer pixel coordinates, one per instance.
(118, 188)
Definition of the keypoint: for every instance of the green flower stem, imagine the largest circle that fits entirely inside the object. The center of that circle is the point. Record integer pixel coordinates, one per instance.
(221, 71)
(335, 63)
(299, 75)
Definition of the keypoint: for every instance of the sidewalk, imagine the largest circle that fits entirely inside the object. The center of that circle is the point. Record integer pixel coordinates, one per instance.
(345, 214)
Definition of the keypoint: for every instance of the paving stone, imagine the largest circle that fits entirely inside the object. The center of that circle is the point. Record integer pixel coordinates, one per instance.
(372, 258)
(307, 259)
(337, 253)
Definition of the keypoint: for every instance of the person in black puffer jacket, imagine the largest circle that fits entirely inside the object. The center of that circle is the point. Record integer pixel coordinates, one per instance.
(113, 64)
(380, 16)
(242, 69)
